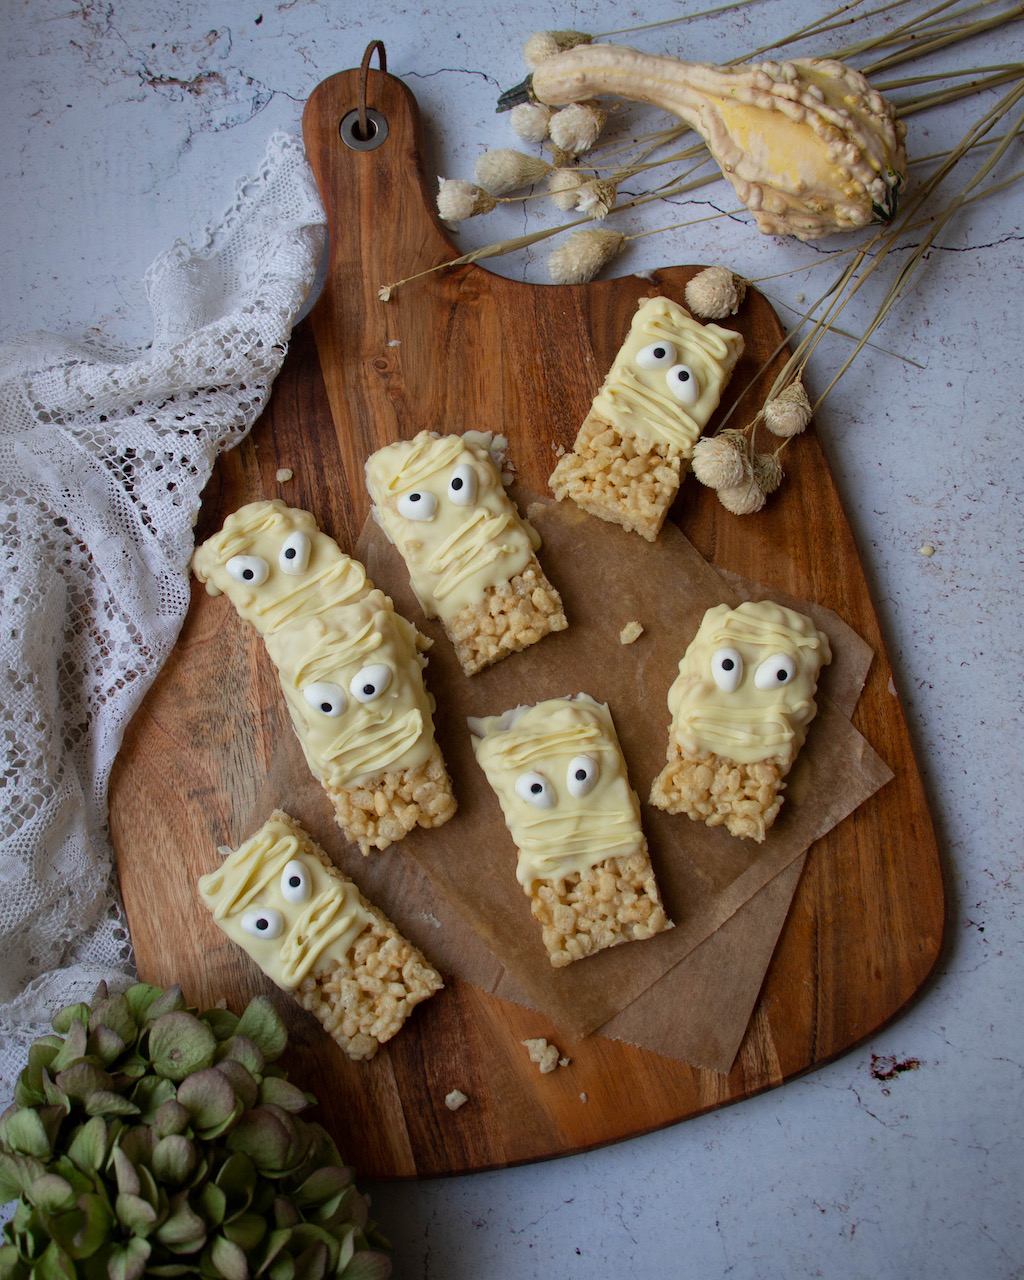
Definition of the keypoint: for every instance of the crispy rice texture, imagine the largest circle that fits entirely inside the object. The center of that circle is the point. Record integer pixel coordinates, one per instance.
(510, 617)
(375, 815)
(709, 788)
(615, 901)
(363, 1000)
(625, 480)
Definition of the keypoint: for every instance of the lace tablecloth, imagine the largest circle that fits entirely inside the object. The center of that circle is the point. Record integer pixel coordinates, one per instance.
(103, 456)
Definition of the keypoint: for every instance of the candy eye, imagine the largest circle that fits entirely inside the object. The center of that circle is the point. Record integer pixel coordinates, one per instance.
(535, 789)
(252, 570)
(263, 923)
(417, 504)
(682, 382)
(775, 671)
(370, 683)
(727, 669)
(329, 699)
(582, 775)
(295, 885)
(659, 355)
(462, 486)
(294, 557)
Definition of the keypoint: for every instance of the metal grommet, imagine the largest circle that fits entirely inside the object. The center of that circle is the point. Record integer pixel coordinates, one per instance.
(376, 129)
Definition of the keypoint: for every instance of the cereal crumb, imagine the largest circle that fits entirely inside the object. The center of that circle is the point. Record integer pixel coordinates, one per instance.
(564, 1062)
(927, 549)
(801, 297)
(630, 632)
(395, 342)
(559, 450)
(455, 1099)
(285, 474)
(543, 1054)
(583, 1097)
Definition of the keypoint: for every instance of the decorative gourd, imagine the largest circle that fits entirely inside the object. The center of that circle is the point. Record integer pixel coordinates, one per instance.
(809, 146)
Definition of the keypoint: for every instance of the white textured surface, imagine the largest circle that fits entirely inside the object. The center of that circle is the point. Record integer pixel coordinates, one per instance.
(125, 125)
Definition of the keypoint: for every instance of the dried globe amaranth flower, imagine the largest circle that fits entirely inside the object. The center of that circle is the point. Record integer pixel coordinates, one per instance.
(714, 293)
(718, 461)
(577, 127)
(505, 170)
(530, 121)
(146, 1138)
(543, 44)
(583, 254)
(744, 498)
(458, 200)
(790, 412)
(767, 472)
(563, 188)
(597, 198)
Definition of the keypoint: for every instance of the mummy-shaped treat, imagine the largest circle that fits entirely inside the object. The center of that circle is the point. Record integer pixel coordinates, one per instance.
(561, 781)
(663, 387)
(276, 567)
(353, 680)
(740, 709)
(351, 669)
(471, 558)
(312, 932)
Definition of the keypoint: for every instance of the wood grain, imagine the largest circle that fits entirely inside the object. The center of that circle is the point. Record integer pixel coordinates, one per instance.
(463, 348)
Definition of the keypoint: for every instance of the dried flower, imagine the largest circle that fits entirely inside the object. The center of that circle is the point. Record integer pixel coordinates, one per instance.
(790, 411)
(718, 461)
(505, 170)
(577, 127)
(715, 292)
(767, 472)
(563, 187)
(583, 254)
(542, 44)
(530, 121)
(597, 198)
(458, 200)
(745, 498)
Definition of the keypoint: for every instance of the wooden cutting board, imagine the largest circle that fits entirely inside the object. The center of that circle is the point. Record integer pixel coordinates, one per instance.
(201, 761)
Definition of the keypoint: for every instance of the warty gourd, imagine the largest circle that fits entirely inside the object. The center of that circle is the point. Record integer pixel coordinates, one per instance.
(808, 145)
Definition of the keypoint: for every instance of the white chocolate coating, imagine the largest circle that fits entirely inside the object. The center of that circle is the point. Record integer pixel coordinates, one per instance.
(537, 745)
(321, 927)
(746, 714)
(393, 730)
(462, 549)
(283, 598)
(637, 400)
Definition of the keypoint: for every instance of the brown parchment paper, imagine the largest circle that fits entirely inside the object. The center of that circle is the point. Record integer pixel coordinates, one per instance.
(607, 578)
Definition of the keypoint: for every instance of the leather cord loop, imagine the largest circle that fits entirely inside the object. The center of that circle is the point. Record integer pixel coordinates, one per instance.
(364, 70)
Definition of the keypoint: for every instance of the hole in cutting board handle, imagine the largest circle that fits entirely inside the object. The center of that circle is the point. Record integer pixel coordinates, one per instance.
(376, 130)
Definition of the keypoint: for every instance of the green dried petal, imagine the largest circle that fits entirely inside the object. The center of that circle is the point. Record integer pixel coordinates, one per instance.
(222, 1022)
(242, 1049)
(262, 1024)
(284, 1094)
(286, 1215)
(367, 1266)
(140, 997)
(73, 1049)
(169, 1001)
(62, 1021)
(125, 1174)
(133, 1068)
(82, 1080)
(237, 1178)
(17, 1173)
(283, 1268)
(106, 1044)
(51, 1193)
(88, 1145)
(179, 1044)
(152, 1093)
(209, 1099)
(24, 1133)
(261, 1136)
(229, 1259)
(246, 1088)
(116, 1015)
(322, 1185)
(135, 1214)
(213, 1203)
(247, 1230)
(183, 1230)
(170, 1269)
(174, 1158)
(316, 1259)
(54, 1264)
(129, 1263)
(104, 1102)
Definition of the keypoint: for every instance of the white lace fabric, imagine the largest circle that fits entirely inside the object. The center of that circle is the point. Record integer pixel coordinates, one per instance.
(103, 456)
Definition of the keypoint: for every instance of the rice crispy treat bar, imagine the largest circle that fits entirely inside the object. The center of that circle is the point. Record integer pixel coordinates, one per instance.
(740, 708)
(635, 443)
(350, 667)
(560, 779)
(313, 933)
(471, 558)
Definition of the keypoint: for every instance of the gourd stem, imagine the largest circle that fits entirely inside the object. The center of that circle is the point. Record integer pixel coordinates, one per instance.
(516, 96)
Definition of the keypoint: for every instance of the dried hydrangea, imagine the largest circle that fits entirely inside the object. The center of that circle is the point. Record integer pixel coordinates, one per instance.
(563, 188)
(504, 170)
(714, 293)
(718, 461)
(790, 412)
(530, 121)
(577, 127)
(458, 200)
(583, 254)
(545, 44)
